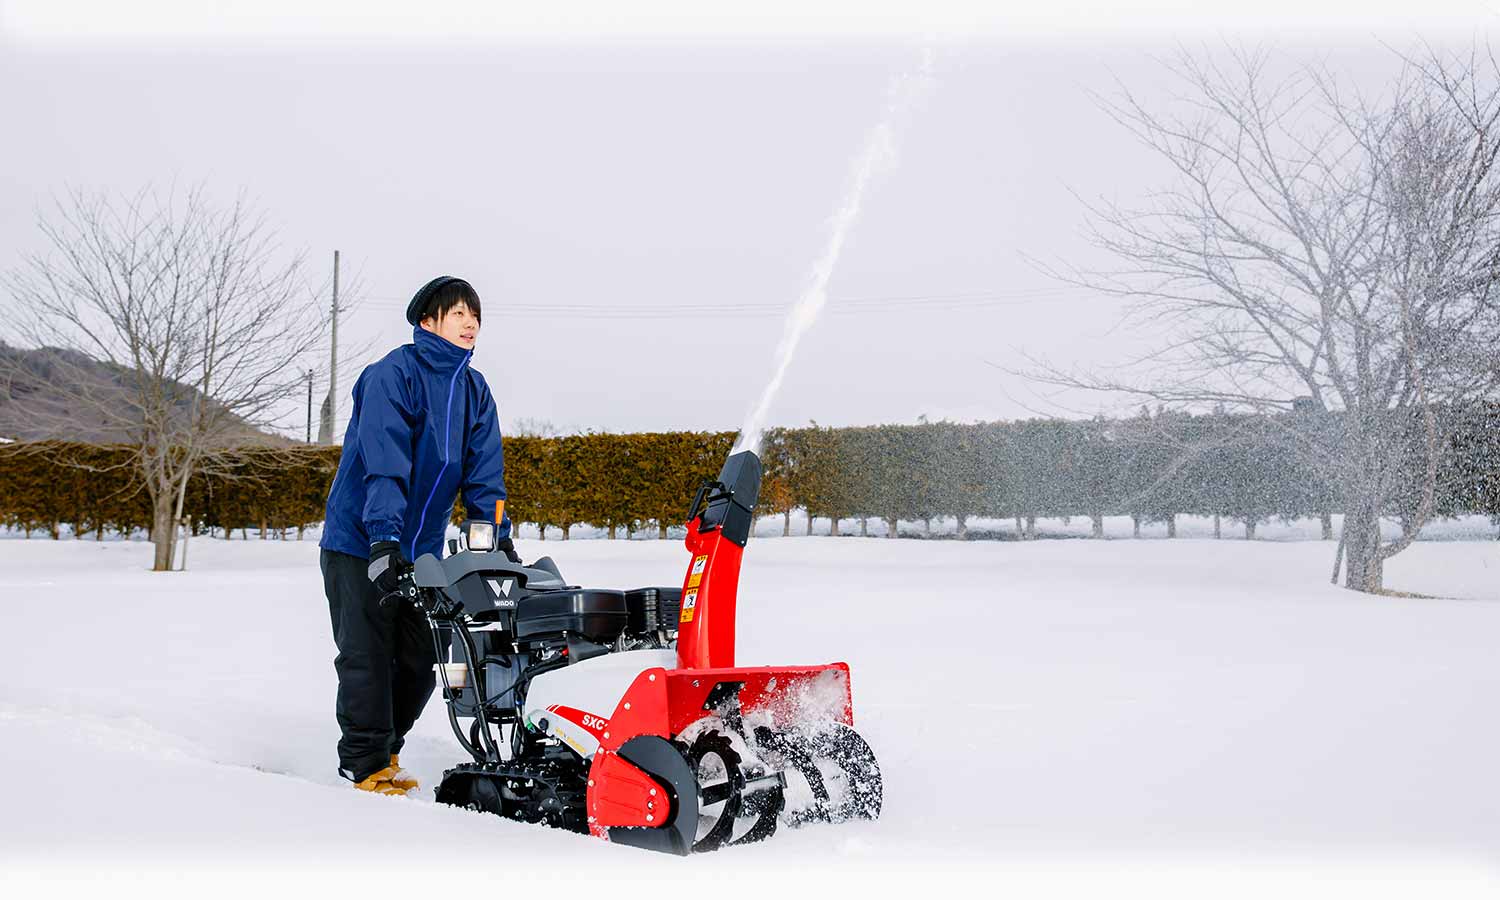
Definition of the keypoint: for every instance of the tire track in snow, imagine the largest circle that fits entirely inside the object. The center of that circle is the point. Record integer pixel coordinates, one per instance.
(125, 733)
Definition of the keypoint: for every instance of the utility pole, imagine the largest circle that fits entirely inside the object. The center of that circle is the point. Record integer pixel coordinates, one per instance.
(330, 405)
(308, 439)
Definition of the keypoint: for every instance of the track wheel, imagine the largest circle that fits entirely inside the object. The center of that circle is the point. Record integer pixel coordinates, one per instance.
(471, 792)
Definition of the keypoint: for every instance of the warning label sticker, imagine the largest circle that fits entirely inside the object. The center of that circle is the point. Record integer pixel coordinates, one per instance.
(696, 577)
(689, 600)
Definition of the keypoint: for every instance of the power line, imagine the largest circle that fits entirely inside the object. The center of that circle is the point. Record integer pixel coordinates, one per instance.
(930, 302)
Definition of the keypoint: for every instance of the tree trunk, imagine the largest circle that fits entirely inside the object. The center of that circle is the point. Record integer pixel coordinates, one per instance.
(54, 530)
(611, 530)
(1172, 525)
(178, 517)
(1327, 520)
(833, 526)
(864, 526)
(1135, 526)
(809, 522)
(927, 525)
(963, 527)
(1098, 526)
(1031, 528)
(565, 530)
(162, 531)
(1250, 529)
(892, 526)
(661, 530)
(1020, 529)
(99, 532)
(786, 523)
(1363, 569)
(1218, 532)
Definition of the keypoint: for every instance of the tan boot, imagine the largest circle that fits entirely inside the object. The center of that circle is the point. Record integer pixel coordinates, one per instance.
(401, 778)
(380, 783)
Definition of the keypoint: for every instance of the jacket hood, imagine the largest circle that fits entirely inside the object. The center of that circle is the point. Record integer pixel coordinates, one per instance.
(436, 353)
(424, 429)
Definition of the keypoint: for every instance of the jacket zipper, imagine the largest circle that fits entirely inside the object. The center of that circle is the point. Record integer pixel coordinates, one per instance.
(447, 429)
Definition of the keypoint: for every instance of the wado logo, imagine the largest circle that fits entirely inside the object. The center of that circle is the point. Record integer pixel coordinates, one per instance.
(502, 588)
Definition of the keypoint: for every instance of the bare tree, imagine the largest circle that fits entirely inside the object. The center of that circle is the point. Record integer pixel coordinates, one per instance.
(203, 321)
(1340, 249)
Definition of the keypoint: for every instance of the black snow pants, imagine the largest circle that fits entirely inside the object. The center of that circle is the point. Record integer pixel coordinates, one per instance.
(384, 666)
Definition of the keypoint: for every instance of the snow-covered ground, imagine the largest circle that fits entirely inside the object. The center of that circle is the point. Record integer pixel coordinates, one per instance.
(1052, 717)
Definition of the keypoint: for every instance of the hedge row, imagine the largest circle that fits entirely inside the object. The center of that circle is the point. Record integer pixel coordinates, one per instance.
(607, 480)
(1151, 468)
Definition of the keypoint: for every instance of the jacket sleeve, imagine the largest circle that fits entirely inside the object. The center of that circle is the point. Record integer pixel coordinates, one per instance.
(386, 439)
(484, 462)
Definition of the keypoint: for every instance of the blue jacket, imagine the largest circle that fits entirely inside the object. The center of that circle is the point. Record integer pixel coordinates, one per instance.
(424, 428)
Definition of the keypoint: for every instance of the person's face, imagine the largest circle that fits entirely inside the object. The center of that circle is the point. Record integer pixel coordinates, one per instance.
(458, 326)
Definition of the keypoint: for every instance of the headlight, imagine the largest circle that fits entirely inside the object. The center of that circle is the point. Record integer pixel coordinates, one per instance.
(481, 535)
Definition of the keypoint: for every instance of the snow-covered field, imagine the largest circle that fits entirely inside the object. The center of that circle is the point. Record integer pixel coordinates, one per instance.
(1189, 717)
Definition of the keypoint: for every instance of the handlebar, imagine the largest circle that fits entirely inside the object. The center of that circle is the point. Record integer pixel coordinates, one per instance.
(431, 601)
(708, 492)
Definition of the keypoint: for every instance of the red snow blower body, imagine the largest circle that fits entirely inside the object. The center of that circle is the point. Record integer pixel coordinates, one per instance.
(625, 712)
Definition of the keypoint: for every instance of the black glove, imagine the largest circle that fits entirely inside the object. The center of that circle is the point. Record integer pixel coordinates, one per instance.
(387, 565)
(508, 547)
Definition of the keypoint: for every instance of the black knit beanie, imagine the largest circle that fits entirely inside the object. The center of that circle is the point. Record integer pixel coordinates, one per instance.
(425, 293)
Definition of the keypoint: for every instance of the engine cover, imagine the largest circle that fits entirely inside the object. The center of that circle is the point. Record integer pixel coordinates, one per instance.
(574, 704)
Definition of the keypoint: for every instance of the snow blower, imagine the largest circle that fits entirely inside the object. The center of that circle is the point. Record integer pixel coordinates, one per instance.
(622, 714)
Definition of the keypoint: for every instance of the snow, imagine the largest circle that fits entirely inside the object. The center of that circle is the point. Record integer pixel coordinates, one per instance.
(1053, 718)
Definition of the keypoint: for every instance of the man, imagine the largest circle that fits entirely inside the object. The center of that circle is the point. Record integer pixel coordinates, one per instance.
(424, 429)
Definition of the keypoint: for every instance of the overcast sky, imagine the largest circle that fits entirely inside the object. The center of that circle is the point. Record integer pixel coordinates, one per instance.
(637, 199)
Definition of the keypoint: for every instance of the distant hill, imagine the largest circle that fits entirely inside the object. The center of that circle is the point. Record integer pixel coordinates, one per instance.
(39, 390)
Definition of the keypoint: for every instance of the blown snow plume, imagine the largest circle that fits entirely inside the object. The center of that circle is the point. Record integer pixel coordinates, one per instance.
(878, 153)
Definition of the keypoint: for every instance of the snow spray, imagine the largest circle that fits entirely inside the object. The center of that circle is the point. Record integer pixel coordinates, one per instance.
(878, 152)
